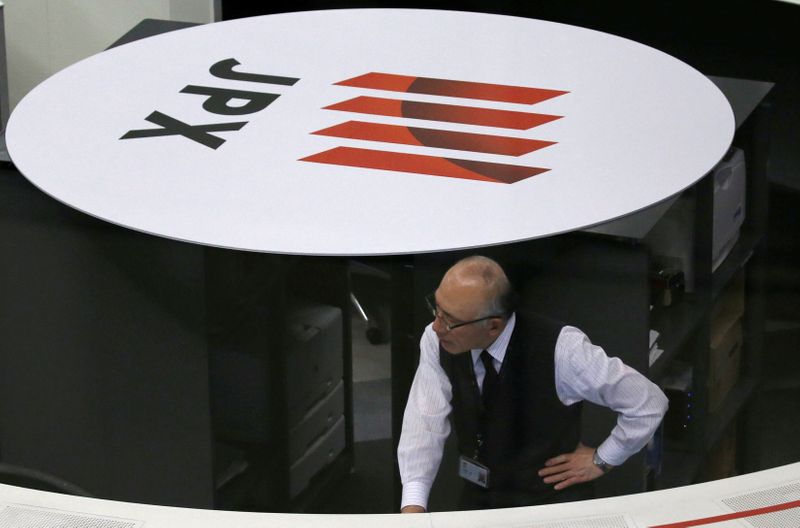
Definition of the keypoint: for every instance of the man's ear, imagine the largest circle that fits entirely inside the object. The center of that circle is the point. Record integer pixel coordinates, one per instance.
(495, 326)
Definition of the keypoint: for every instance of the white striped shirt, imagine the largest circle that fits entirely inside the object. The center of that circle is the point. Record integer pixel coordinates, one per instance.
(583, 371)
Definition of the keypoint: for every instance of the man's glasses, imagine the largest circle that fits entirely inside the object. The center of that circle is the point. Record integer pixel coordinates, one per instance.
(448, 323)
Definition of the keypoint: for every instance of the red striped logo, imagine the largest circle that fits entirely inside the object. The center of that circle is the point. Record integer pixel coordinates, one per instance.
(433, 138)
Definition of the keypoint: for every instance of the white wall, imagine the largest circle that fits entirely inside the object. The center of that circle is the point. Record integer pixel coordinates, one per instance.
(44, 36)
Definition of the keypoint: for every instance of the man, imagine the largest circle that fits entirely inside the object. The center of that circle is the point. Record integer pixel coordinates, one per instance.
(512, 383)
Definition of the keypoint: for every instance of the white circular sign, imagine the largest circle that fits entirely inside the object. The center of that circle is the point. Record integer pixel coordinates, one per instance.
(376, 131)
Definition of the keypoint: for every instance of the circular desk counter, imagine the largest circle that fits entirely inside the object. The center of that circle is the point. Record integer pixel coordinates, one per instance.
(370, 132)
(768, 498)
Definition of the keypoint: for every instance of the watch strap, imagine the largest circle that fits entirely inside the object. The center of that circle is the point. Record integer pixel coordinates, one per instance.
(604, 466)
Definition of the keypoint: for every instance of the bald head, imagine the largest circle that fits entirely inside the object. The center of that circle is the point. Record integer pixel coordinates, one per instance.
(472, 305)
(485, 280)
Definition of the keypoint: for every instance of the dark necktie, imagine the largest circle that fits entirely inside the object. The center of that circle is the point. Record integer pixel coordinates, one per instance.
(489, 379)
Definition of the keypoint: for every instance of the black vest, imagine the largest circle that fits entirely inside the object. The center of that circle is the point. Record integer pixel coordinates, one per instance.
(525, 423)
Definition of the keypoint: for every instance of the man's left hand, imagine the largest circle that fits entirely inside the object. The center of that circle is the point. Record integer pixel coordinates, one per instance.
(571, 468)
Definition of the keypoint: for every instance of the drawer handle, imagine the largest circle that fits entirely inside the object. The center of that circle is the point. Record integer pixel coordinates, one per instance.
(319, 398)
(319, 435)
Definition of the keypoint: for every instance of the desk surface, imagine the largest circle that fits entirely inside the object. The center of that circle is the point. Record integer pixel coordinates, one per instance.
(768, 498)
(357, 132)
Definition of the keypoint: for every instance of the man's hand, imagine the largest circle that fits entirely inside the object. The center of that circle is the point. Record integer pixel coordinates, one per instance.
(413, 508)
(571, 468)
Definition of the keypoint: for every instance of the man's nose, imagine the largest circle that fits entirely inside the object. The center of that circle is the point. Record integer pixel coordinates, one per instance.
(437, 325)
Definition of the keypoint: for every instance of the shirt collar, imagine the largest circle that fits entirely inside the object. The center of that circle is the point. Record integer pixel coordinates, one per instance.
(497, 349)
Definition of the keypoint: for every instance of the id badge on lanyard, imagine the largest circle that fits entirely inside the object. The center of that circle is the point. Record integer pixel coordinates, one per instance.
(473, 471)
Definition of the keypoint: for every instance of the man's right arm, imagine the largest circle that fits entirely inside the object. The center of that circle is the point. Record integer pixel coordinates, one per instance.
(425, 426)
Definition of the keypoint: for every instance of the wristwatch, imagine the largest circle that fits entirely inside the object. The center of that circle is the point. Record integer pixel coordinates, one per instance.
(604, 466)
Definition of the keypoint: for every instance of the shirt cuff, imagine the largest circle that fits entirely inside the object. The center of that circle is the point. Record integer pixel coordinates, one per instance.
(415, 493)
(612, 453)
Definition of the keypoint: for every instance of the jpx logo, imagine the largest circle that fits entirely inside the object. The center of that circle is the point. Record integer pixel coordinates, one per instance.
(444, 106)
(220, 101)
